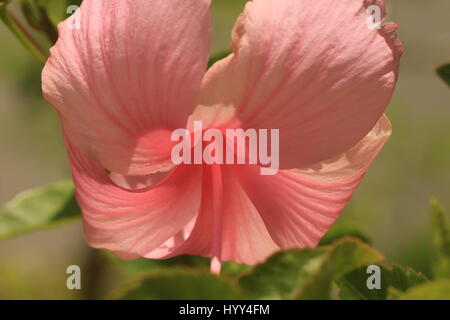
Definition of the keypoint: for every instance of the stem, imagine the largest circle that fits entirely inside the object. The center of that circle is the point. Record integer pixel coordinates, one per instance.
(22, 34)
(217, 207)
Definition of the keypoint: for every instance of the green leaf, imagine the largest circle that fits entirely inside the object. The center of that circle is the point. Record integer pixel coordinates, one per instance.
(217, 57)
(59, 9)
(444, 72)
(307, 273)
(392, 293)
(342, 230)
(40, 208)
(38, 18)
(281, 274)
(440, 253)
(70, 2)
(353, 286)
(436, 290)
(138, 266)
(55, 10)
(234, 269)
(142, 265)
(345, 255)
(178, 284)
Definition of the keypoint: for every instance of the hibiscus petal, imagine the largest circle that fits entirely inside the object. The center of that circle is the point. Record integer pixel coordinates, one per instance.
(311, 68)
(244, 237)
(299, 205)
(127, 77)
(133, 222)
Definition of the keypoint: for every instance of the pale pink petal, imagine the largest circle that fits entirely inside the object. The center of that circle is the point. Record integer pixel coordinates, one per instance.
(298, 206)
(311, 68)
(133, 222)
(243, 235)
(127, 77)
(137, 182)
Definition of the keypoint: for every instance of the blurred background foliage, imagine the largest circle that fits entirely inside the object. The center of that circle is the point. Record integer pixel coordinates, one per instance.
(391, 204)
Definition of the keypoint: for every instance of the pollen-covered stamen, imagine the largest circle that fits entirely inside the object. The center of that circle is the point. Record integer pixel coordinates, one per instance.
(217, 209)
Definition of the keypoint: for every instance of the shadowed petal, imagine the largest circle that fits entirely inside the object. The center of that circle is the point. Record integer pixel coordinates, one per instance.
(133, 222)
(244, 237)
(298, 206)
(127, 77)
(311, 68)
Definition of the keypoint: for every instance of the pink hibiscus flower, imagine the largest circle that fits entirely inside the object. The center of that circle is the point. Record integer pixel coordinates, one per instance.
(135, 71)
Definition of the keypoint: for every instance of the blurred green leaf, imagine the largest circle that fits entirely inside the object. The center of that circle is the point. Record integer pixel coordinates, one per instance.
(353, 286)
(39, 208)
(234, 269)
(444, 73)
(403, 278)
(37, 15)
(66, 5)
(71, 2)
(307, 273)
(440, 253)
(177, 284)
(56, 10)
(345, 255)
(342, 230)
(219, 56)
(21, 34)
(138, 266)
(142, 265)
(281, 274)
(436, 290)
